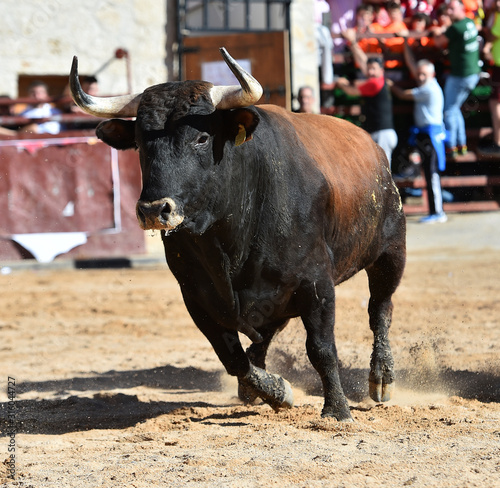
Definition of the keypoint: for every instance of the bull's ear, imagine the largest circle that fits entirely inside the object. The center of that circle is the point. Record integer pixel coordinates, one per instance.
(245, 121)
(117, 133)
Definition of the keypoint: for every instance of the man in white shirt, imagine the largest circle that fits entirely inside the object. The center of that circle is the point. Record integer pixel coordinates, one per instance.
(428, 133)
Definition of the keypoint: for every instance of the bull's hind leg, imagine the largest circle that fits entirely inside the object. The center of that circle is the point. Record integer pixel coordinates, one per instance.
(384, 277)
(321, 350)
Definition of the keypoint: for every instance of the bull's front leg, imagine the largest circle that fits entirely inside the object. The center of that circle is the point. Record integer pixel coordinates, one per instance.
(271, 388)
(256, 353)
(319, 323)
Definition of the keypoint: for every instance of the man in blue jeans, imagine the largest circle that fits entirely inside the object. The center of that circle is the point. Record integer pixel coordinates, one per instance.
(428, 133)
(463, 47)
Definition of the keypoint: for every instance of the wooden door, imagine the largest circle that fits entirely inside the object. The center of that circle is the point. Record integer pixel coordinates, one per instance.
(265, 55)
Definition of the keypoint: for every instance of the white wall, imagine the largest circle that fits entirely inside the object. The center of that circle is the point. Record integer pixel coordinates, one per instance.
(40, 37)
(304, 50)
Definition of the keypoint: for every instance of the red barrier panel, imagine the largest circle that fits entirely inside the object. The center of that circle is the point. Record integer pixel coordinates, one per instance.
(56, 192)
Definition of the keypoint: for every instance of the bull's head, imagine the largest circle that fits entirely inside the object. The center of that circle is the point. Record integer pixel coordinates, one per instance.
(180, 130)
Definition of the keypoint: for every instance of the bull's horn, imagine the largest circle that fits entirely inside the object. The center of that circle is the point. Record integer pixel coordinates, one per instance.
(247, 93)
(107, 107)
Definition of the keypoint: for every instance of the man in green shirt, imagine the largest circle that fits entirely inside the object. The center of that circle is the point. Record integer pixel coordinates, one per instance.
(492, 52)
(463, 47)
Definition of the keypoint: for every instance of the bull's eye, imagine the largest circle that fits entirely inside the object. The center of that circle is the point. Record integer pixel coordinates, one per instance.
(203, 139)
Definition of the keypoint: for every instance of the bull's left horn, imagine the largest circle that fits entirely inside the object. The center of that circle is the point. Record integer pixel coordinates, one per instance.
(107, 107)
(247, 93)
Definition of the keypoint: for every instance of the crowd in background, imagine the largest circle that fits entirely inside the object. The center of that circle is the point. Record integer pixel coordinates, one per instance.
(414, 50)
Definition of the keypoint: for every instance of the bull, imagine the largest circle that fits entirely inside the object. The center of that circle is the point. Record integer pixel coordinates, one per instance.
(262, 213)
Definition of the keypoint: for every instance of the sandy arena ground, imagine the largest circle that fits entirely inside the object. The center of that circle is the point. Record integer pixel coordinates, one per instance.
(116, 387)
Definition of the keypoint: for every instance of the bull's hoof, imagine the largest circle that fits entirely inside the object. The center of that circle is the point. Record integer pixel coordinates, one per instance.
(285, 397)
(381, 392)
(342, 416)
(288, 398)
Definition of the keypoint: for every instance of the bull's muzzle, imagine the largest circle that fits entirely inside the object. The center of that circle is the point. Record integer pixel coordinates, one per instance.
(160, 214)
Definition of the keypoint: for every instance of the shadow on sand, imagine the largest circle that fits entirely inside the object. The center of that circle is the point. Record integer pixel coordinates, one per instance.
(118, 410)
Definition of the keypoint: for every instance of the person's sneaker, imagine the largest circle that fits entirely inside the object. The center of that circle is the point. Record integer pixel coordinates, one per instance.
(434, 219)
(452, 152)
(462, 150)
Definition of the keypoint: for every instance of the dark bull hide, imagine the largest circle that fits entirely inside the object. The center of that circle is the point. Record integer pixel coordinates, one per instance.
(262, 213)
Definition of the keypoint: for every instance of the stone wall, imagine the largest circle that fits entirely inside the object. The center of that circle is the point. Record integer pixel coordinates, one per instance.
(40, 37)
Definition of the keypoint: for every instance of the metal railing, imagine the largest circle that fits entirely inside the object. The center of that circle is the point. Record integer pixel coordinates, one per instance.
(204, 17)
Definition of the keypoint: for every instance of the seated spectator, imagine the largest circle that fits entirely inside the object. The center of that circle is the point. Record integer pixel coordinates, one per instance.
(364, 21)
(41, 110)
(393, 46)
(90, 85)
(381, 17)
(420, 43)
(443, 19)
(306, 100)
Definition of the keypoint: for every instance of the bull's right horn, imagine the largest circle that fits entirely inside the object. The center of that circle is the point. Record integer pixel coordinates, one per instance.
(245, 94)
(106, 107)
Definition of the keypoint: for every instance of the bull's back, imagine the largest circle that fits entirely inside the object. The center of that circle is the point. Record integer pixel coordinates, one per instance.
(345, 154)
(361, 195)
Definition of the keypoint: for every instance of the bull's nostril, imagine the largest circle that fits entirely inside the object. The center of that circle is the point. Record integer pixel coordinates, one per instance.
(165, 211)
(159, 214)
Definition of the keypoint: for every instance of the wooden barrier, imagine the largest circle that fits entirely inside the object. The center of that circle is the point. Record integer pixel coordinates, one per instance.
(59, 190)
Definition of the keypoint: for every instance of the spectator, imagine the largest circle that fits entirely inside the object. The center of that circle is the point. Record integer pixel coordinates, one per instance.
(364, 21)
(393, 46)
(90, 85)
(443, 19)
(381, 15)
(376, 97)
(306, 100)
(428, 134)
(420, 43)
(42, 109)
(463, 46)
(492, 53)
